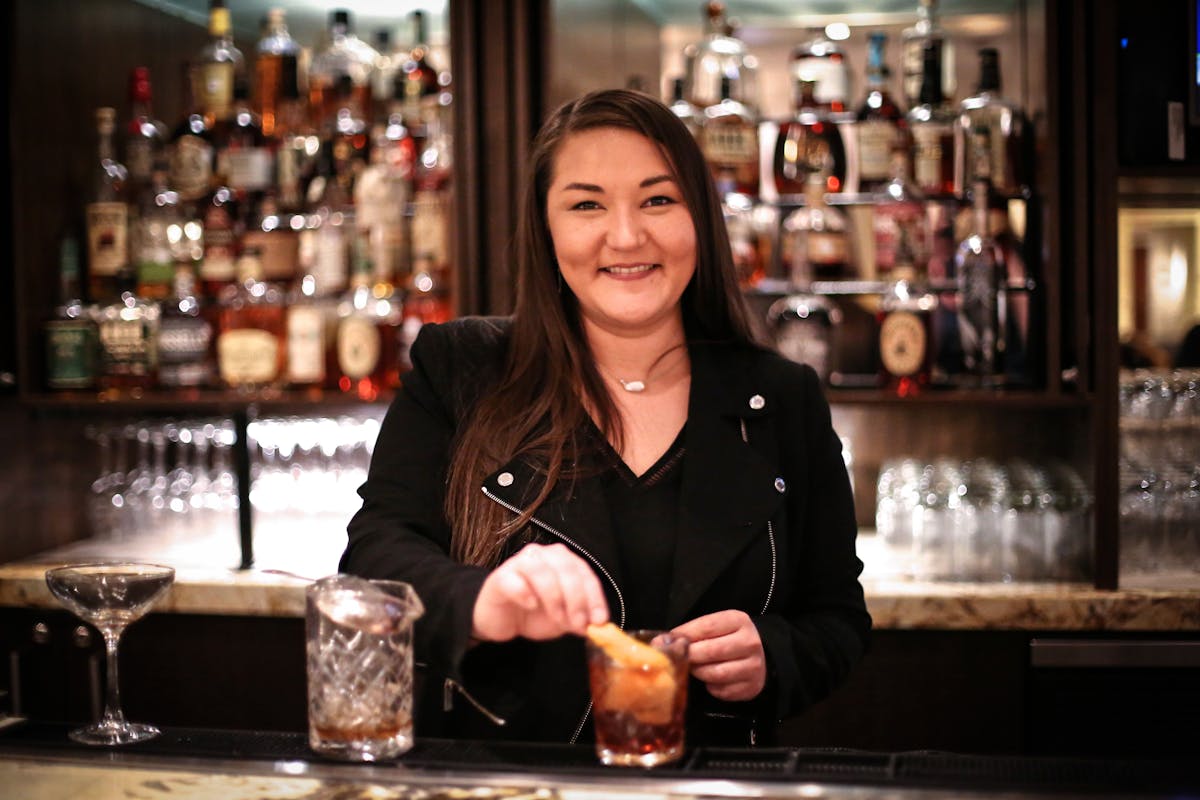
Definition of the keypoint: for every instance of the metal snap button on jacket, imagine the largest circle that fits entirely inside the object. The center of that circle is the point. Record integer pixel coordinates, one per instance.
(780, 485)
(757, 402)
(504, 479)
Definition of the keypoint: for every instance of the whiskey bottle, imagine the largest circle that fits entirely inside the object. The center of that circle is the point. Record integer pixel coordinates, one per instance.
(221, 218)
(347, 137)
(311, 311)
(821, 61)
(808, 142)
(914, 40)
(898, 221)
(184, 335)
(107, 214)
(981, 297)
(881, 124)
(805, 328)
(430, 223)
(427, 300)
(748, 262)
(716, 57)
(156, 238)
(362, 332)
(905, 318)
(688, 114)
(276, 56)
(251, 330)
(990, 137)
(128, 334)
(70, 333)
(931, 124)
(730, 144)
(218, 65)
(417, 68)
(381, 196)
(244, 157)
(344, 56)
(814, 240)
(145, 136)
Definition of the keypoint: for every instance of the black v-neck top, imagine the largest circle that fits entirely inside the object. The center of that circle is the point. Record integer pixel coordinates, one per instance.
(645, 522)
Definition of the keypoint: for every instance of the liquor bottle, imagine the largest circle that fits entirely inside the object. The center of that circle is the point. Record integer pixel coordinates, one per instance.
(805, 328)
(191, 151)
(989, 139)
(905, 318)
(748, 261)
(926, 31)
(981, 297)
(184, 335)
(221, 218)
(381, 196)
(814, 240)
(417, 67)
(691, 116)
(251, 330)
(808, 142)
(128, 335)
(107, 214)
(898, 221)
(367, 333)
(730, 144)
(276, 55)
(297, 145)
(820, 60)
(719, 55)
(311, 309)
(347, 138)
(71, 332)
(881, 124)
(931, 126)
(145, 136)
(427, 300)
(218, 65)
(156, 237)
(430, 224)
(244, 157)
(388, 66)
(344, 55)
(271, 232)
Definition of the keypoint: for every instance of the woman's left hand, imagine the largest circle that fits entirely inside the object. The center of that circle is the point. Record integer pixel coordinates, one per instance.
(726, 653)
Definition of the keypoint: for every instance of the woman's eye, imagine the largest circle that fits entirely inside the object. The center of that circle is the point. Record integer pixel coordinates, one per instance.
(585, 205)
(660, 200)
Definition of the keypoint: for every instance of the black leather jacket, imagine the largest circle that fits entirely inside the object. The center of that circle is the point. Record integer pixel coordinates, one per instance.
(767, 526)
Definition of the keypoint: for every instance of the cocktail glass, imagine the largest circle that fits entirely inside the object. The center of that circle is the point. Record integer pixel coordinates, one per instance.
(360, 667)
(110, 597)
(639, 695)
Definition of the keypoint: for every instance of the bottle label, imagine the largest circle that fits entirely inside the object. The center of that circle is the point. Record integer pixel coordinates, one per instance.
(191, 166)
(876, 140)
(127, 346)
(70, 354)
(248, 169)
(731, 144)
(305, 344)
(902, 343)
(214, 88)
(805, 342)
(929, 153)
(139, 159)
(183, 351)
(247, 356)
(429, 226)
(220, 241)
(278, 252)
(108, 237)
(358, 347)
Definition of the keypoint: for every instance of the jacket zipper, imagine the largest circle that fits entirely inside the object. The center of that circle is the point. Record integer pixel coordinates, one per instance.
(770, 536)
(594, 561)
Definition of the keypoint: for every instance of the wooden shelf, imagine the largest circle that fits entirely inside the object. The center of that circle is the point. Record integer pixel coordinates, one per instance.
(1003, 399)
(202, 401)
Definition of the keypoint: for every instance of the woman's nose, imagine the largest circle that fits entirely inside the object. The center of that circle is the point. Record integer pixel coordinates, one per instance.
(625, 230)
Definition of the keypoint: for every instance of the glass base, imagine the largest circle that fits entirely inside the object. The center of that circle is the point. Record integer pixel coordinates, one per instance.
(382, 749)
(112, 733)
(654, 758)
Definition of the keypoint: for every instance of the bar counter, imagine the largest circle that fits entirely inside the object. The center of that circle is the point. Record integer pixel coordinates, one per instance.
(276, 589)
(193, 763)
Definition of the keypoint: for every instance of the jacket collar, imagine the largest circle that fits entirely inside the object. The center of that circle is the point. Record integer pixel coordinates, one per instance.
(728, 489)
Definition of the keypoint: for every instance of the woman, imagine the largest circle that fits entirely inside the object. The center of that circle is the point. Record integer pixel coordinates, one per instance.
(619, 448)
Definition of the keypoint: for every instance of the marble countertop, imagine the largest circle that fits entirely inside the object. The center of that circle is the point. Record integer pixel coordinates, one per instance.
(276, 588)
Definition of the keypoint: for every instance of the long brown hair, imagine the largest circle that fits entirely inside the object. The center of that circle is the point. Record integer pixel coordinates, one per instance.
(537, 409)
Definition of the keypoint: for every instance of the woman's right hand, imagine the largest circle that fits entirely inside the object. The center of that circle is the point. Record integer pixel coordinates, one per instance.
(541, 592)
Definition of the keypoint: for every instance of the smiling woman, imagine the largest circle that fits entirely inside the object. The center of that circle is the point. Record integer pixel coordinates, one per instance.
(620, 449)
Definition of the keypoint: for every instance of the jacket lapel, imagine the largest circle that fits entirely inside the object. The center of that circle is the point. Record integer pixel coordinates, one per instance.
(729, 489)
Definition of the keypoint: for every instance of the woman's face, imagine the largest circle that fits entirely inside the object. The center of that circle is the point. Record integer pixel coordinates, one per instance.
(623, 236)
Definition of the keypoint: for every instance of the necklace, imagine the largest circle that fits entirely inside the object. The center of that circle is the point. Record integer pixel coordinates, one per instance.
(638, 386)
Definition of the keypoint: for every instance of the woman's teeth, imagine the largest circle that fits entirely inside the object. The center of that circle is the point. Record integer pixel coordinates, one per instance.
(629, 270)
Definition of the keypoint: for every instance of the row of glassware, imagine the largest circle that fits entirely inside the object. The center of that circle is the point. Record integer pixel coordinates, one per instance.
(1160, 471)
(983, 520)
(177, 477)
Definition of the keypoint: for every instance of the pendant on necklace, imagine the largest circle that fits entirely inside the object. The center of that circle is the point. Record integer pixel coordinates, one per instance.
(633, 386)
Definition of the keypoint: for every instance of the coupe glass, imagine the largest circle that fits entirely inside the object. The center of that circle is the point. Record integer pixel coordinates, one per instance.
(110, 597)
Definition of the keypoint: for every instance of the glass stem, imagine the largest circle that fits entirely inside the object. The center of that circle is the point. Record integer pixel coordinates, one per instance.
(112, 692)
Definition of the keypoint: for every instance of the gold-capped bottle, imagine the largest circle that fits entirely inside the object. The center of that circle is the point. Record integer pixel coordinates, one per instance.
(251, 330)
